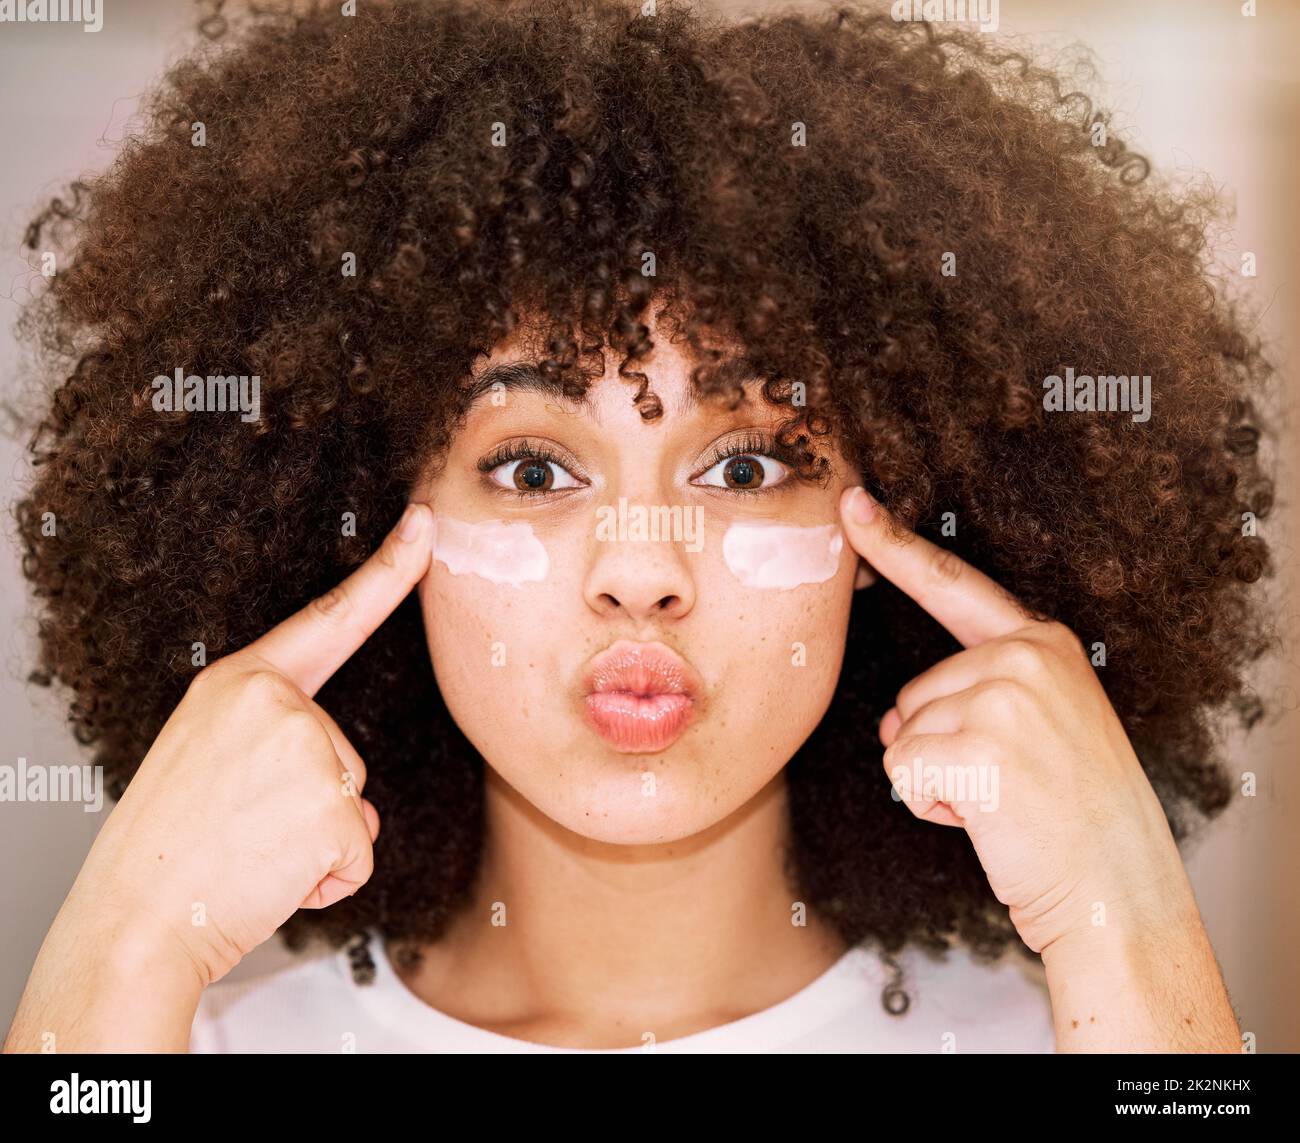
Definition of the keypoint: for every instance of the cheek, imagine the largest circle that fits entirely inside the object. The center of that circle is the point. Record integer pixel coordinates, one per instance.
(498, 552)
(488, 583)
(781, 557)
(781, 601)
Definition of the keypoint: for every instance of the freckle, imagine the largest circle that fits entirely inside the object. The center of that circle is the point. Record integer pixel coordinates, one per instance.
(1187, 1019)
(1074, 1023)
(1092, 1019)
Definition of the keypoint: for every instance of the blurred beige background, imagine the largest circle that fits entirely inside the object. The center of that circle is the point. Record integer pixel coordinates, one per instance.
(1196, 86)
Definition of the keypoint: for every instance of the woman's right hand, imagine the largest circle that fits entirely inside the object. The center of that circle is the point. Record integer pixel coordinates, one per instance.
(249, 804)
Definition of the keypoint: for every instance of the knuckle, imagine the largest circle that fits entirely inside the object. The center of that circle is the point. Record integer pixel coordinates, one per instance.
(902, 750)
(1065, 638)
(997, 699)
(352, 837)
(211, 677)
(300, 729)
(945, 567)
(364, 865)
(388, 551)
(1021, 658)
(269, 687)
(904, 699)
(333, 608)
(1008, 697)
(367, 850)
(890, 757)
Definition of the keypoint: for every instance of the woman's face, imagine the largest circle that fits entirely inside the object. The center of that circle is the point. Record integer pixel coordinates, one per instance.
(633, 638)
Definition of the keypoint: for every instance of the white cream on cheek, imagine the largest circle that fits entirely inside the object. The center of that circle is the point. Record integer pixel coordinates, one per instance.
(490, 549)
(782, 556)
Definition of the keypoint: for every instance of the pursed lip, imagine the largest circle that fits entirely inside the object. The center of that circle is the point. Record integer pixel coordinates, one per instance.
(639, 697)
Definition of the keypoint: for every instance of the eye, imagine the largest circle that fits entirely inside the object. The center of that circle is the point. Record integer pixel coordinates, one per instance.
(745, 472)
(532, 475)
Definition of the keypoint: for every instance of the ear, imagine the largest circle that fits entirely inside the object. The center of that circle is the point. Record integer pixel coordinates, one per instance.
(865, 576)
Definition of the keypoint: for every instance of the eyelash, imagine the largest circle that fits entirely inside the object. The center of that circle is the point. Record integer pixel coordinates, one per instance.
(759, 445)
(752, 445)
(520, 450)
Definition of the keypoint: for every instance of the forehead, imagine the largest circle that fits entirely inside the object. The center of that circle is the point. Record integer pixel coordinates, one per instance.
(674, 387)
(514, 367)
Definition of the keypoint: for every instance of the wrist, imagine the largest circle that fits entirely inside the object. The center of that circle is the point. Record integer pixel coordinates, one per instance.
(103, 983)
(1120, 905)
(1130, 924)
(1144, 980)
(134, 940)
(142, 949)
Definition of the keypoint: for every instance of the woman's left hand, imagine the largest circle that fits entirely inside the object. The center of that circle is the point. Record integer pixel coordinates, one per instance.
(1014, 740)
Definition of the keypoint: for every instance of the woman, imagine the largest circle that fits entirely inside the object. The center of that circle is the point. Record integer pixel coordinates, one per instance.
(600, 748)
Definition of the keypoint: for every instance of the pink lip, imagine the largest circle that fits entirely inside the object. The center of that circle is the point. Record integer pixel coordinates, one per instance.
(639, 696)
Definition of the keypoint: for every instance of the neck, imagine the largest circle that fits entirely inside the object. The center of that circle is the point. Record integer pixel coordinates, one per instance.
(570, 940)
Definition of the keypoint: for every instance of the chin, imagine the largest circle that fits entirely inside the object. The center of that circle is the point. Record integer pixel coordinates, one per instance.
(618, 823)
(610, 802)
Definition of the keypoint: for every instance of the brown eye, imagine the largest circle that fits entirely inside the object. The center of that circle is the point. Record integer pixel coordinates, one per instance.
(531, 474)
(534, 476)
(743, 472)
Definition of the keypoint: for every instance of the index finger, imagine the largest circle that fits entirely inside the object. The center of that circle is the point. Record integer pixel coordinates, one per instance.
(968, 603)
(316, 641)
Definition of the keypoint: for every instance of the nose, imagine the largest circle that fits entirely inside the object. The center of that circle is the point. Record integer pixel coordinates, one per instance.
(642, 579)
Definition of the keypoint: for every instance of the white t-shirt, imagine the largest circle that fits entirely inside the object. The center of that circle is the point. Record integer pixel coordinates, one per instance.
(960, 1005)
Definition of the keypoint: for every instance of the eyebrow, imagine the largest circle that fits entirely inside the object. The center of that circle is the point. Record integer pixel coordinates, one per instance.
(525, 377)
(518, 377)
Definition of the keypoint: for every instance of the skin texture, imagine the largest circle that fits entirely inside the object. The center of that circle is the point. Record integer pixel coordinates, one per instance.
(683, 885)
(627, 136)
(756, 707)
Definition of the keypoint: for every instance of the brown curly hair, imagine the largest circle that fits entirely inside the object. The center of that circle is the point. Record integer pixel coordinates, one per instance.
(674, 133)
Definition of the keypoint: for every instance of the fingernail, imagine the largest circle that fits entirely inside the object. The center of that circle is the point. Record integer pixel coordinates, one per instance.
(860, 506)
(408, 527)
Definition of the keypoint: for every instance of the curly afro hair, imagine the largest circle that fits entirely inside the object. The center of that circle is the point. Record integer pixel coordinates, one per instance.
(809, 181)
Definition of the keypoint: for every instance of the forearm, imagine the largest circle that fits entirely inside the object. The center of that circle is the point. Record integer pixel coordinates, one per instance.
(1147, 981)
(100, 987)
